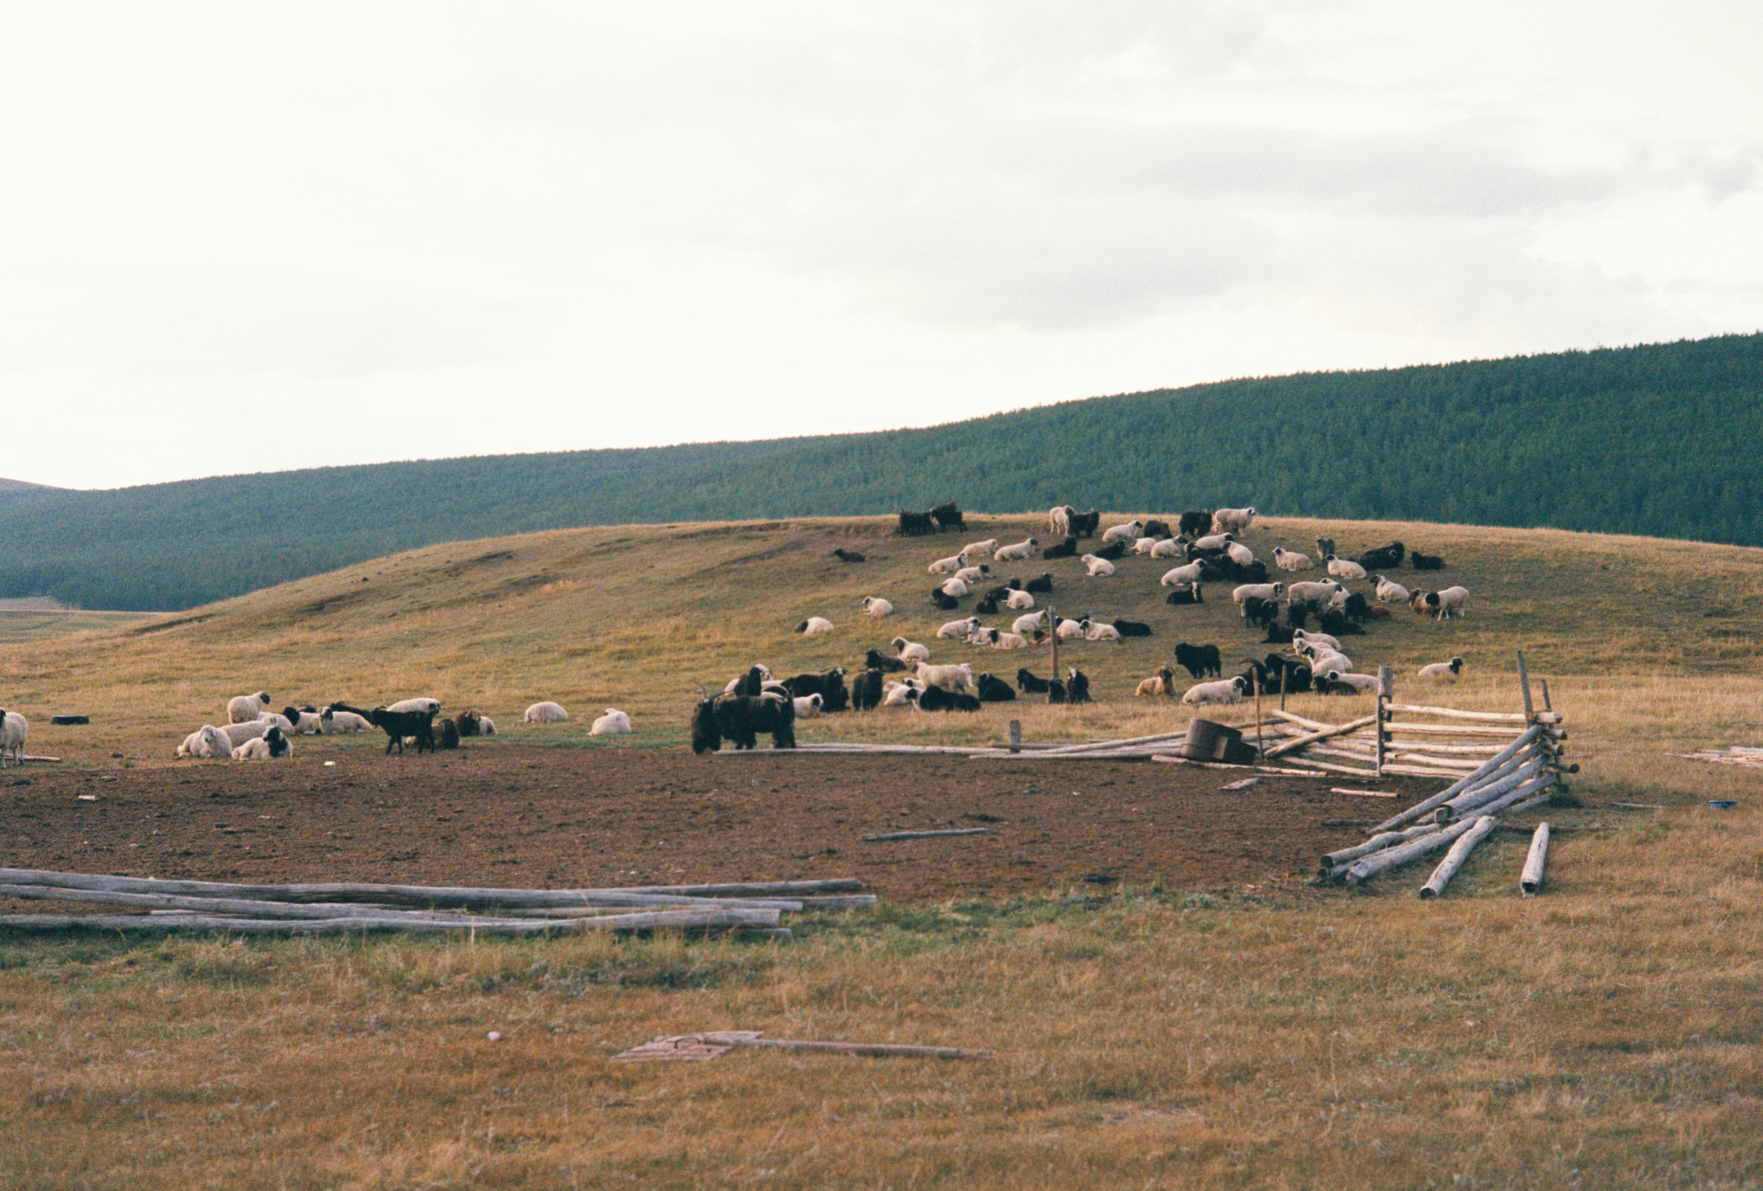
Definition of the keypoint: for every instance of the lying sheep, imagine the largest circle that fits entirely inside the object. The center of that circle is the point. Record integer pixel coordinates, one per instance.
(1028, 626)
(206, 741)
(1016, 552)
(1228, 690)
(973, 576)
(814, 626)
(998, 639)
(981, 549)
(614, 723)
(1291, 560)
(954, 587)
(545, 712)
(1340, 682)
(1185, 575)
(304, 721)
(1019, 599)
(1446, 670)
(960, 629)
(1096, 630)
(947, 566)
(261, 748)
(1344, 568)
(346, 721)
(1389, 591)
(1167, 548)
(1129, 532)
(876, 606)
(910, 651)
(1097, 567)
(242, 709)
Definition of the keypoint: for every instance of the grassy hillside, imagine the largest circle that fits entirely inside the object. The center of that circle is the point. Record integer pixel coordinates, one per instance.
(1652, 440)
(1604, 1034)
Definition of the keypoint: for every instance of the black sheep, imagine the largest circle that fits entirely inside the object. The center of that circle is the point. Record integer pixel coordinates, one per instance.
(1043, 584)
(1185, 595)
(1132, 628)
(866, 690)
(1198, 660)
(993, 689)
(1065, 549)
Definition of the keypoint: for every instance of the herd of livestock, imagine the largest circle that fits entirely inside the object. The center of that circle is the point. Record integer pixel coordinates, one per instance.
(1311, 608)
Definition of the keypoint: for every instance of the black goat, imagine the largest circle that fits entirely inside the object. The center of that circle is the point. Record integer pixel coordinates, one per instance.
(1030, 685)
(866, 690)
(1383, 558)
(1083, 525)
(914, 524)
(1077, 687)
(397, 725)
(887, 664)
(830, 686)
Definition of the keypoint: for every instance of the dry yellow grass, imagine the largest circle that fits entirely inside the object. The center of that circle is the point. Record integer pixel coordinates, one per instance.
(1605, 1034)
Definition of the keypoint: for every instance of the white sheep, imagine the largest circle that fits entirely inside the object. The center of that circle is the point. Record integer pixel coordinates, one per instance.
(1019, 599)
(347, 721)
(1097, 567)
(1096, 630)
(486, 726)
(972, 575)
(1213, 541)
(1453, 601)
(910, 651)
(1167, 548)
(1261, 591)
(1323, 659)
(947, 566)
(613, 723)
(1362, 684)
(814, 626)
(807, 706)
(238, 734)
(1291, 560)
(243, 708)
(305, 723)
(1240, 554)
(256, 749)
(206, 741)
(14, 728)
(1345, 568)
(958, 677)
(955, 587)
(432, 706)
(999, 639)
(1031, 624)
(1229, 690)
(1446, 670)
(545, 712)
(1303, 637)
(1185, 575)
(1059, 521)
(1319, 590)
(1130, 531)
(1389, 591)
(1016, 551)
(960, 629)
(898, 692)
(1235, 521)
(1068, 628)
(1144, 546)
(980, 549)
(876, 606)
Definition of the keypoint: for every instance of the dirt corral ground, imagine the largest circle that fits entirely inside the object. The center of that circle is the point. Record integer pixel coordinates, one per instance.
(520, 816)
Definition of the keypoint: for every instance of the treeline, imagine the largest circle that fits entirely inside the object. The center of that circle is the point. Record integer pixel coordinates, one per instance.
(1656, 440)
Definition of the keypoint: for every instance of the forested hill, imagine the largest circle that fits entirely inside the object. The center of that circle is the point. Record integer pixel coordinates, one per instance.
(1657, 440)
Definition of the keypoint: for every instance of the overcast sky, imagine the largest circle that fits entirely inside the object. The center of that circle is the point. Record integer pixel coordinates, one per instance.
(241, 237)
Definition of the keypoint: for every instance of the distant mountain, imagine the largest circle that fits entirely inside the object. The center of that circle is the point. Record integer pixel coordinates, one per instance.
(1656, 440)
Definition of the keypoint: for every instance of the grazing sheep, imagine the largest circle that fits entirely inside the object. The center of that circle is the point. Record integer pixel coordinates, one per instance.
(1390, 592)
(876, 606)
(948, 516)
(14, 728)
(741, 718)
(1198, 660)
(814, 626)
(545, 712)
(957, 677)
(1260, 591)
(947, 566)
(1291, 560)
(1446, 670)
(1345, 568)
(614, 723)
(1017, 552)
(1096, 567)
(1233, 521)
(1228, 690)
(1160, 683)
(1059, 521)
(910, 651)
(242, 709)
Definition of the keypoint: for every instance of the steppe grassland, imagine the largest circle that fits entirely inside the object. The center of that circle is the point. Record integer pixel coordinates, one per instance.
(1605, 1034)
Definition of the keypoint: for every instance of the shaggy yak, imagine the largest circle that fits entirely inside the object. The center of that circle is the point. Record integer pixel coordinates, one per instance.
(740, 719)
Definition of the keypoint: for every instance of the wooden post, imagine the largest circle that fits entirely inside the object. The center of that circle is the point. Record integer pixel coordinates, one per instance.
(1016, 736)
(1386, 689)
(1053, 627)
(1524, 686)
(1255, 678)
(1547, 706)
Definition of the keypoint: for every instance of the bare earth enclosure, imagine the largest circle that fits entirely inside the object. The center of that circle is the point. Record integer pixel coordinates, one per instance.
(523, 816)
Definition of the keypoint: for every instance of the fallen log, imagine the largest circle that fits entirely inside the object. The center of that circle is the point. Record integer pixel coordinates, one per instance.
(900, 835)
(1316, 734)
(407, 922)
(1465, 782)
(1531, 878)
(1460, 850)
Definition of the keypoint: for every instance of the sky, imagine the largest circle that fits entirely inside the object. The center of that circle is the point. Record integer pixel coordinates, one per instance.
(258, 237)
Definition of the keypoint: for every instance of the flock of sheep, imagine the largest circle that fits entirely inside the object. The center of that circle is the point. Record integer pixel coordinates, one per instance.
(255, 731)
(1308, 617)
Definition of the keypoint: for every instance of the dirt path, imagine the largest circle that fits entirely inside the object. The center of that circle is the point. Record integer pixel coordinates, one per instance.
(505, 815)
